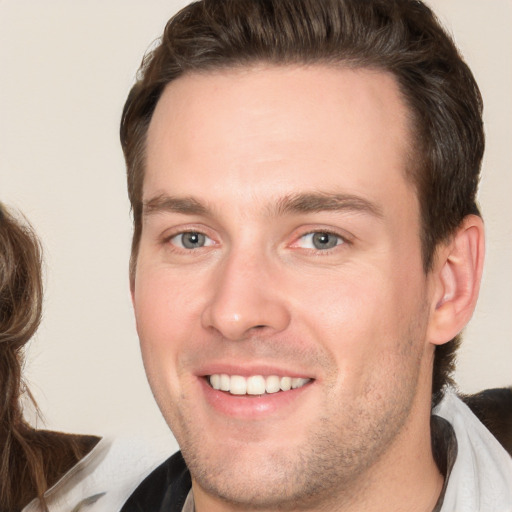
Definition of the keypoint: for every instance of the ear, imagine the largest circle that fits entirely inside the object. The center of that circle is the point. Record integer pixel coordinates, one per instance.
(456, 277)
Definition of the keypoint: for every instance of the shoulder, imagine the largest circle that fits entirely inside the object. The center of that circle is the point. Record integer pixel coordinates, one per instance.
(106, 476)
(482, 471)
(493, 407)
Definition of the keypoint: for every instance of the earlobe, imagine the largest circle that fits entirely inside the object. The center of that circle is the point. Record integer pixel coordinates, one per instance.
(457, 275)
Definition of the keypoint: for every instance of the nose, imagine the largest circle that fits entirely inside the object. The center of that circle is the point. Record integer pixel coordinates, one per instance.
(246, 299)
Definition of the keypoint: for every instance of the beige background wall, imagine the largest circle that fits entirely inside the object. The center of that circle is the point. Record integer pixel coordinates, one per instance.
(65, 69)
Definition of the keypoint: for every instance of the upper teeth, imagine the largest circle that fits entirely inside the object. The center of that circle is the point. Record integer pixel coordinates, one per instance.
(255, 384)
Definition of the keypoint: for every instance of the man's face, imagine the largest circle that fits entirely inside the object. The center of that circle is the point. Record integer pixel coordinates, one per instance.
(280, 248)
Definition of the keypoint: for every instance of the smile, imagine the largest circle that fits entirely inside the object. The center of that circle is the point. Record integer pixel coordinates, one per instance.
(255, 384)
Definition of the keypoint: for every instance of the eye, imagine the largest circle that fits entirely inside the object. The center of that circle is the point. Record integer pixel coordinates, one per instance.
(191, 240)
(320, 240)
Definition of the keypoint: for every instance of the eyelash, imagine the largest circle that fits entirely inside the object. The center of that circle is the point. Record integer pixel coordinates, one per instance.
(167, 239)
(342, 240)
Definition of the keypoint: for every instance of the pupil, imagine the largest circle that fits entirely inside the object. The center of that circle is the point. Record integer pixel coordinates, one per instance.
(193, 240)
(324, 241)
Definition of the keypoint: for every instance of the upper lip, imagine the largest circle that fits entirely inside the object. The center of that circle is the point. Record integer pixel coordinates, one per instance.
(246, 370)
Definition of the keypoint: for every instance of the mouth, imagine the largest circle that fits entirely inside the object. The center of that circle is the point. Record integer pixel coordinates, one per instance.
(255, 385)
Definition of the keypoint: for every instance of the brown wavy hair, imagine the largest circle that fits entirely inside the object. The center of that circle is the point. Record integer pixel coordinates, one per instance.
(401, 37)
(30, 460)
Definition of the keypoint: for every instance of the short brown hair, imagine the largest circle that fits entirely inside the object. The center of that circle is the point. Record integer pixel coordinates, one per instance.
(402, 37)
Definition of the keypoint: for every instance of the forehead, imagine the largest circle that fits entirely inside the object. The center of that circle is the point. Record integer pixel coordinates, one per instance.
(271, 129)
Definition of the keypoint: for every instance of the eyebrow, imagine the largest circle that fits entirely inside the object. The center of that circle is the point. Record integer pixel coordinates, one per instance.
(165, 203)
(313, 202)
(324, 201)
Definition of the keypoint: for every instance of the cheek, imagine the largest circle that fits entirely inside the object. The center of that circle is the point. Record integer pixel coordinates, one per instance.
(361, 318)
(345, 303)
(164, 305)
(164, 312)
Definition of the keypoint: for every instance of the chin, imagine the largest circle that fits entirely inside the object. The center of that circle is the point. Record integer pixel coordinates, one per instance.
(261, 482)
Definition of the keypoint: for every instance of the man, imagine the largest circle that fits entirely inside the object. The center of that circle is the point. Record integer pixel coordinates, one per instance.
(307, 249)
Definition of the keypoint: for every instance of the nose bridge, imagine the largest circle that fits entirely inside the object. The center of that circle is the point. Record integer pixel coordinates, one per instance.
(245, 296)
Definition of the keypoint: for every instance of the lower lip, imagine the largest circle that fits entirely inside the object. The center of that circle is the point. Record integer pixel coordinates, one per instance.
(251, 406)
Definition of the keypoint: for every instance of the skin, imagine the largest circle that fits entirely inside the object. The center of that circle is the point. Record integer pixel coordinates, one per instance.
(237, 155)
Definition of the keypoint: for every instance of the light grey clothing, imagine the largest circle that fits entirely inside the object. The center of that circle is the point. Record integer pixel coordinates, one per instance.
(104, 479)
(481, 477)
